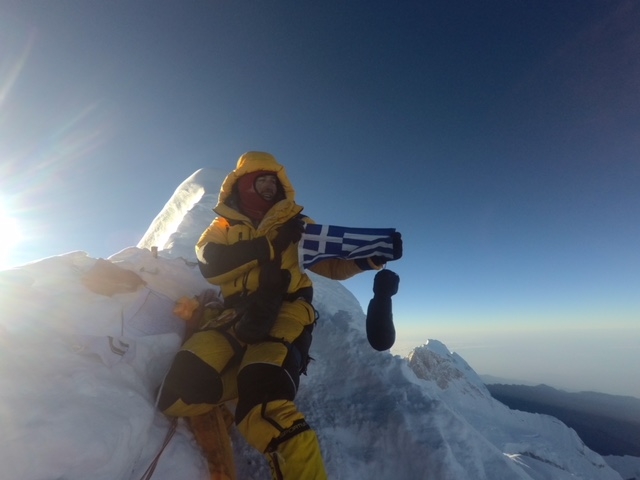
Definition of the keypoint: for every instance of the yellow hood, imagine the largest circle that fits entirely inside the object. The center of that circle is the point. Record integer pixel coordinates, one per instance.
(253, 162)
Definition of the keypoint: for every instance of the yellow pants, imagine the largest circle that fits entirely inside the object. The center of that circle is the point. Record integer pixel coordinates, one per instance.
(213, 366)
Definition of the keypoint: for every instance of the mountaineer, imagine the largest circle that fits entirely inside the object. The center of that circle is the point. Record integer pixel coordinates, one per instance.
(260, 343)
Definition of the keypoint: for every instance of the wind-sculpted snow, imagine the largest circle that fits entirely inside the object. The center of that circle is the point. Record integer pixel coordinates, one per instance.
(70, 407)
(80, 369)
(373, 397)
(185, 216)
(537, 441)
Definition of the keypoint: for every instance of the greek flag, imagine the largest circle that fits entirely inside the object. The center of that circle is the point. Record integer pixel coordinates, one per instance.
(320, 242)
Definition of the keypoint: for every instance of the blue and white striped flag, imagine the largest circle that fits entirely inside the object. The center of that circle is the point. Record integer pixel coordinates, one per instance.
(320, 242)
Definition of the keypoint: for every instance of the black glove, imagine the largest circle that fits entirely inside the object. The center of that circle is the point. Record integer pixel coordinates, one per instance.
(262, 311)
(380, 330)
(385, 283)
(379, 260)
(290, 232)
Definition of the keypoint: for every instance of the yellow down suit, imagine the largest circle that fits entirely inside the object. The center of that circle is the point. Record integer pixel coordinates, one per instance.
(214, 366)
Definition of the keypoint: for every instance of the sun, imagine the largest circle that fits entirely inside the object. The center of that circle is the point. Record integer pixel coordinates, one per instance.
(11, 235)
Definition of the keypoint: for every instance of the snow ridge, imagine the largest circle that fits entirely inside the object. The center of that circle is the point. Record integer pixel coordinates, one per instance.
(191, 198)
(377, 415)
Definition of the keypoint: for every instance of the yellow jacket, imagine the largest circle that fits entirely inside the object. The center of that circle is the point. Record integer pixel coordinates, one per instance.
(231, 250)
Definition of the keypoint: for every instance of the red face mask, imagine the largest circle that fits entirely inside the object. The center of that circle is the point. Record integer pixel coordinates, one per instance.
(253, 204)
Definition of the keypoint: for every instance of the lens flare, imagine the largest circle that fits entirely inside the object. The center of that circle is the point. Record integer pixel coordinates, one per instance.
(10, 237)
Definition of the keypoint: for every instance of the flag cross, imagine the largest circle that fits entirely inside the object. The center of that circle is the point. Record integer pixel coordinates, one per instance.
(331, 241)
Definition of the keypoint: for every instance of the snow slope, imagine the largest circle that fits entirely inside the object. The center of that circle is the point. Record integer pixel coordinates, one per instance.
(79, 371)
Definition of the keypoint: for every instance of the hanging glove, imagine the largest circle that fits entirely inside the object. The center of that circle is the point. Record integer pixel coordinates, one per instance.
(381, 332)
(290, 232)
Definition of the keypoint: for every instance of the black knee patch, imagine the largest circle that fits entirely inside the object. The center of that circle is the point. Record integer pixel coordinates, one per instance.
(191, 380)
(259, 383)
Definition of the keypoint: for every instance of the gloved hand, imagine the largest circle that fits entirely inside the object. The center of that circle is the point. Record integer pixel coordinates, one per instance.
(256, 322)
(379, 260)
(381, 332)
(290, 232)
(386, 283)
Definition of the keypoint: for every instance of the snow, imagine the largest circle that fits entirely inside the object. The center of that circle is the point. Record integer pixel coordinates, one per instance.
(629, 467)
(80, 369)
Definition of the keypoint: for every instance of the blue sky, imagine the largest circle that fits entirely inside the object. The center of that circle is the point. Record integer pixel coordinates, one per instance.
(501, 138)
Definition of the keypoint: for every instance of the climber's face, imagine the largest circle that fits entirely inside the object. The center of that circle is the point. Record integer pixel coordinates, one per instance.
(267, 186)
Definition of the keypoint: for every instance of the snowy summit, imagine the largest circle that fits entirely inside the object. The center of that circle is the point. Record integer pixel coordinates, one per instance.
(86, 343)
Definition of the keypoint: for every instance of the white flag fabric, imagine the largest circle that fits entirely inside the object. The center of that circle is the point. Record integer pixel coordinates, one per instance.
(320, 242)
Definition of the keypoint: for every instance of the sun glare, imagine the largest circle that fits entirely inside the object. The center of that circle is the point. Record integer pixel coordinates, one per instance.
(10, 235)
